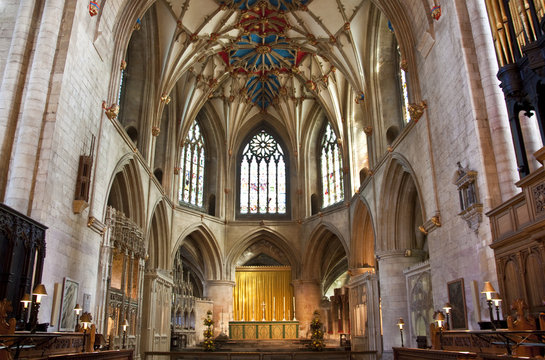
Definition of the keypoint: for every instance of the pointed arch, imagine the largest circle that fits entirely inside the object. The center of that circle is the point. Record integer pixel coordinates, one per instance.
(201, 243)
(362, 240)
(326, 255)
(271, 236)
(263, 175)
(125, 190)
(158, 238)
(402, 207)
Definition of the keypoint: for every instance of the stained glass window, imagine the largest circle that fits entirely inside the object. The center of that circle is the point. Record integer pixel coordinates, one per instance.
(192, 168)
(262, 176)
(404, 93)
(331, 164)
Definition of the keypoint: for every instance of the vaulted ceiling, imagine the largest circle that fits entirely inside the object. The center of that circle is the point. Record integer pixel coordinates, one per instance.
(289, 59)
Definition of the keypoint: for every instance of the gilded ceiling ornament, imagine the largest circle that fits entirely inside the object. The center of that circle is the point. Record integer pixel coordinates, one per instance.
(213, 37)
(179, 24)
(165, 99)
(112, 111)
(193, 37)
(138, 25)
(332, 39)
(346, 26)
(390, 148)
(94, 7)
(311, 85)
(155, 130)
(436, 220)
(263, 49)
(368, 130)
(123, 65)
(417, 110)
(423, 230)
(436, 12)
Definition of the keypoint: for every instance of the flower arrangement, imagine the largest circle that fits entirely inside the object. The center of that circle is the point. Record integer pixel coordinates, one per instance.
(208, 343)
(317, 336)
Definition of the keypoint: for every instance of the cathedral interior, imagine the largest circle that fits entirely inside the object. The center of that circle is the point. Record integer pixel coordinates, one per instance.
(252, 161)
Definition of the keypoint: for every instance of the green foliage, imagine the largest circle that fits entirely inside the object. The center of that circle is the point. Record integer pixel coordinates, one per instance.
(208, 343)
(317, 336)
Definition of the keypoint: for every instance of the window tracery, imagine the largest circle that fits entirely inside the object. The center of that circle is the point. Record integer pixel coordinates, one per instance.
(331, 168)
(192, 167)
(263, 176)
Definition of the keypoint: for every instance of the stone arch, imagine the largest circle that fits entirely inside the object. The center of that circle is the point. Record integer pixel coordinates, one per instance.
(274, 238)
(288, 161)
(158, 238)
(125, 190)
(401, 207)
(214, 140)
(326, 256)
(203, 247)
(362, 239)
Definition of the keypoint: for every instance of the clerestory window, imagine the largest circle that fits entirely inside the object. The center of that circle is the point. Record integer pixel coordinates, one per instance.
(192, 162)
(262, 176)
(331, 168)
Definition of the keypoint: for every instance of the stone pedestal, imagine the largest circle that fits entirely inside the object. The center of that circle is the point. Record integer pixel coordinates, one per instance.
(221, 294)
(394, 293)
(307, 300)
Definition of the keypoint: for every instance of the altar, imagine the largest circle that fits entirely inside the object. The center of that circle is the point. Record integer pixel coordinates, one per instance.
(263, 330)
(265, 293)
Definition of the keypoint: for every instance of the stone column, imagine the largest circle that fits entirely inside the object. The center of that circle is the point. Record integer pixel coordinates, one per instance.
(532, 139)
(393, 293)
(496, 109)
(221, 294)
(308, 296)
(11, 81)
(25, 150)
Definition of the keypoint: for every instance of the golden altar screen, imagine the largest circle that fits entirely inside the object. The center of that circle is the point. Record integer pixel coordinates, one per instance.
(263, 291)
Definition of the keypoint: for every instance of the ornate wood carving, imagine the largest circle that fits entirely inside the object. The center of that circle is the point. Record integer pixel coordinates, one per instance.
(21, 239)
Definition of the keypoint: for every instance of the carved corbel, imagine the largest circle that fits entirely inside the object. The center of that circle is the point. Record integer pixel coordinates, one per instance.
(417, 110)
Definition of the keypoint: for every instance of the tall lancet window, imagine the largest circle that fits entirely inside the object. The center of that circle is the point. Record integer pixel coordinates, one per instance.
(192, 168)
(263, 176)
(332, 165)
(404, 91)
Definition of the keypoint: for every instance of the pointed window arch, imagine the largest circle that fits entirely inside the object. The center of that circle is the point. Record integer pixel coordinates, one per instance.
(192, 161)
(331, 164)
(263, 176)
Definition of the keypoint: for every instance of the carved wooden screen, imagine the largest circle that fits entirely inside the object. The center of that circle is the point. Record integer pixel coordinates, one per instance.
(22, 249)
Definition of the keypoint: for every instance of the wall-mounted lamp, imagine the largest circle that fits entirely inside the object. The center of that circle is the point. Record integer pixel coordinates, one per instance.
(400, 324)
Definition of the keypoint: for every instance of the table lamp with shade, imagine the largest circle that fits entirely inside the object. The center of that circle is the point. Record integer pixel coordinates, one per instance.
(125, 326)
(400, 324)
(488, 290)
(447, 307)
(39, 291)
(77, 310)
